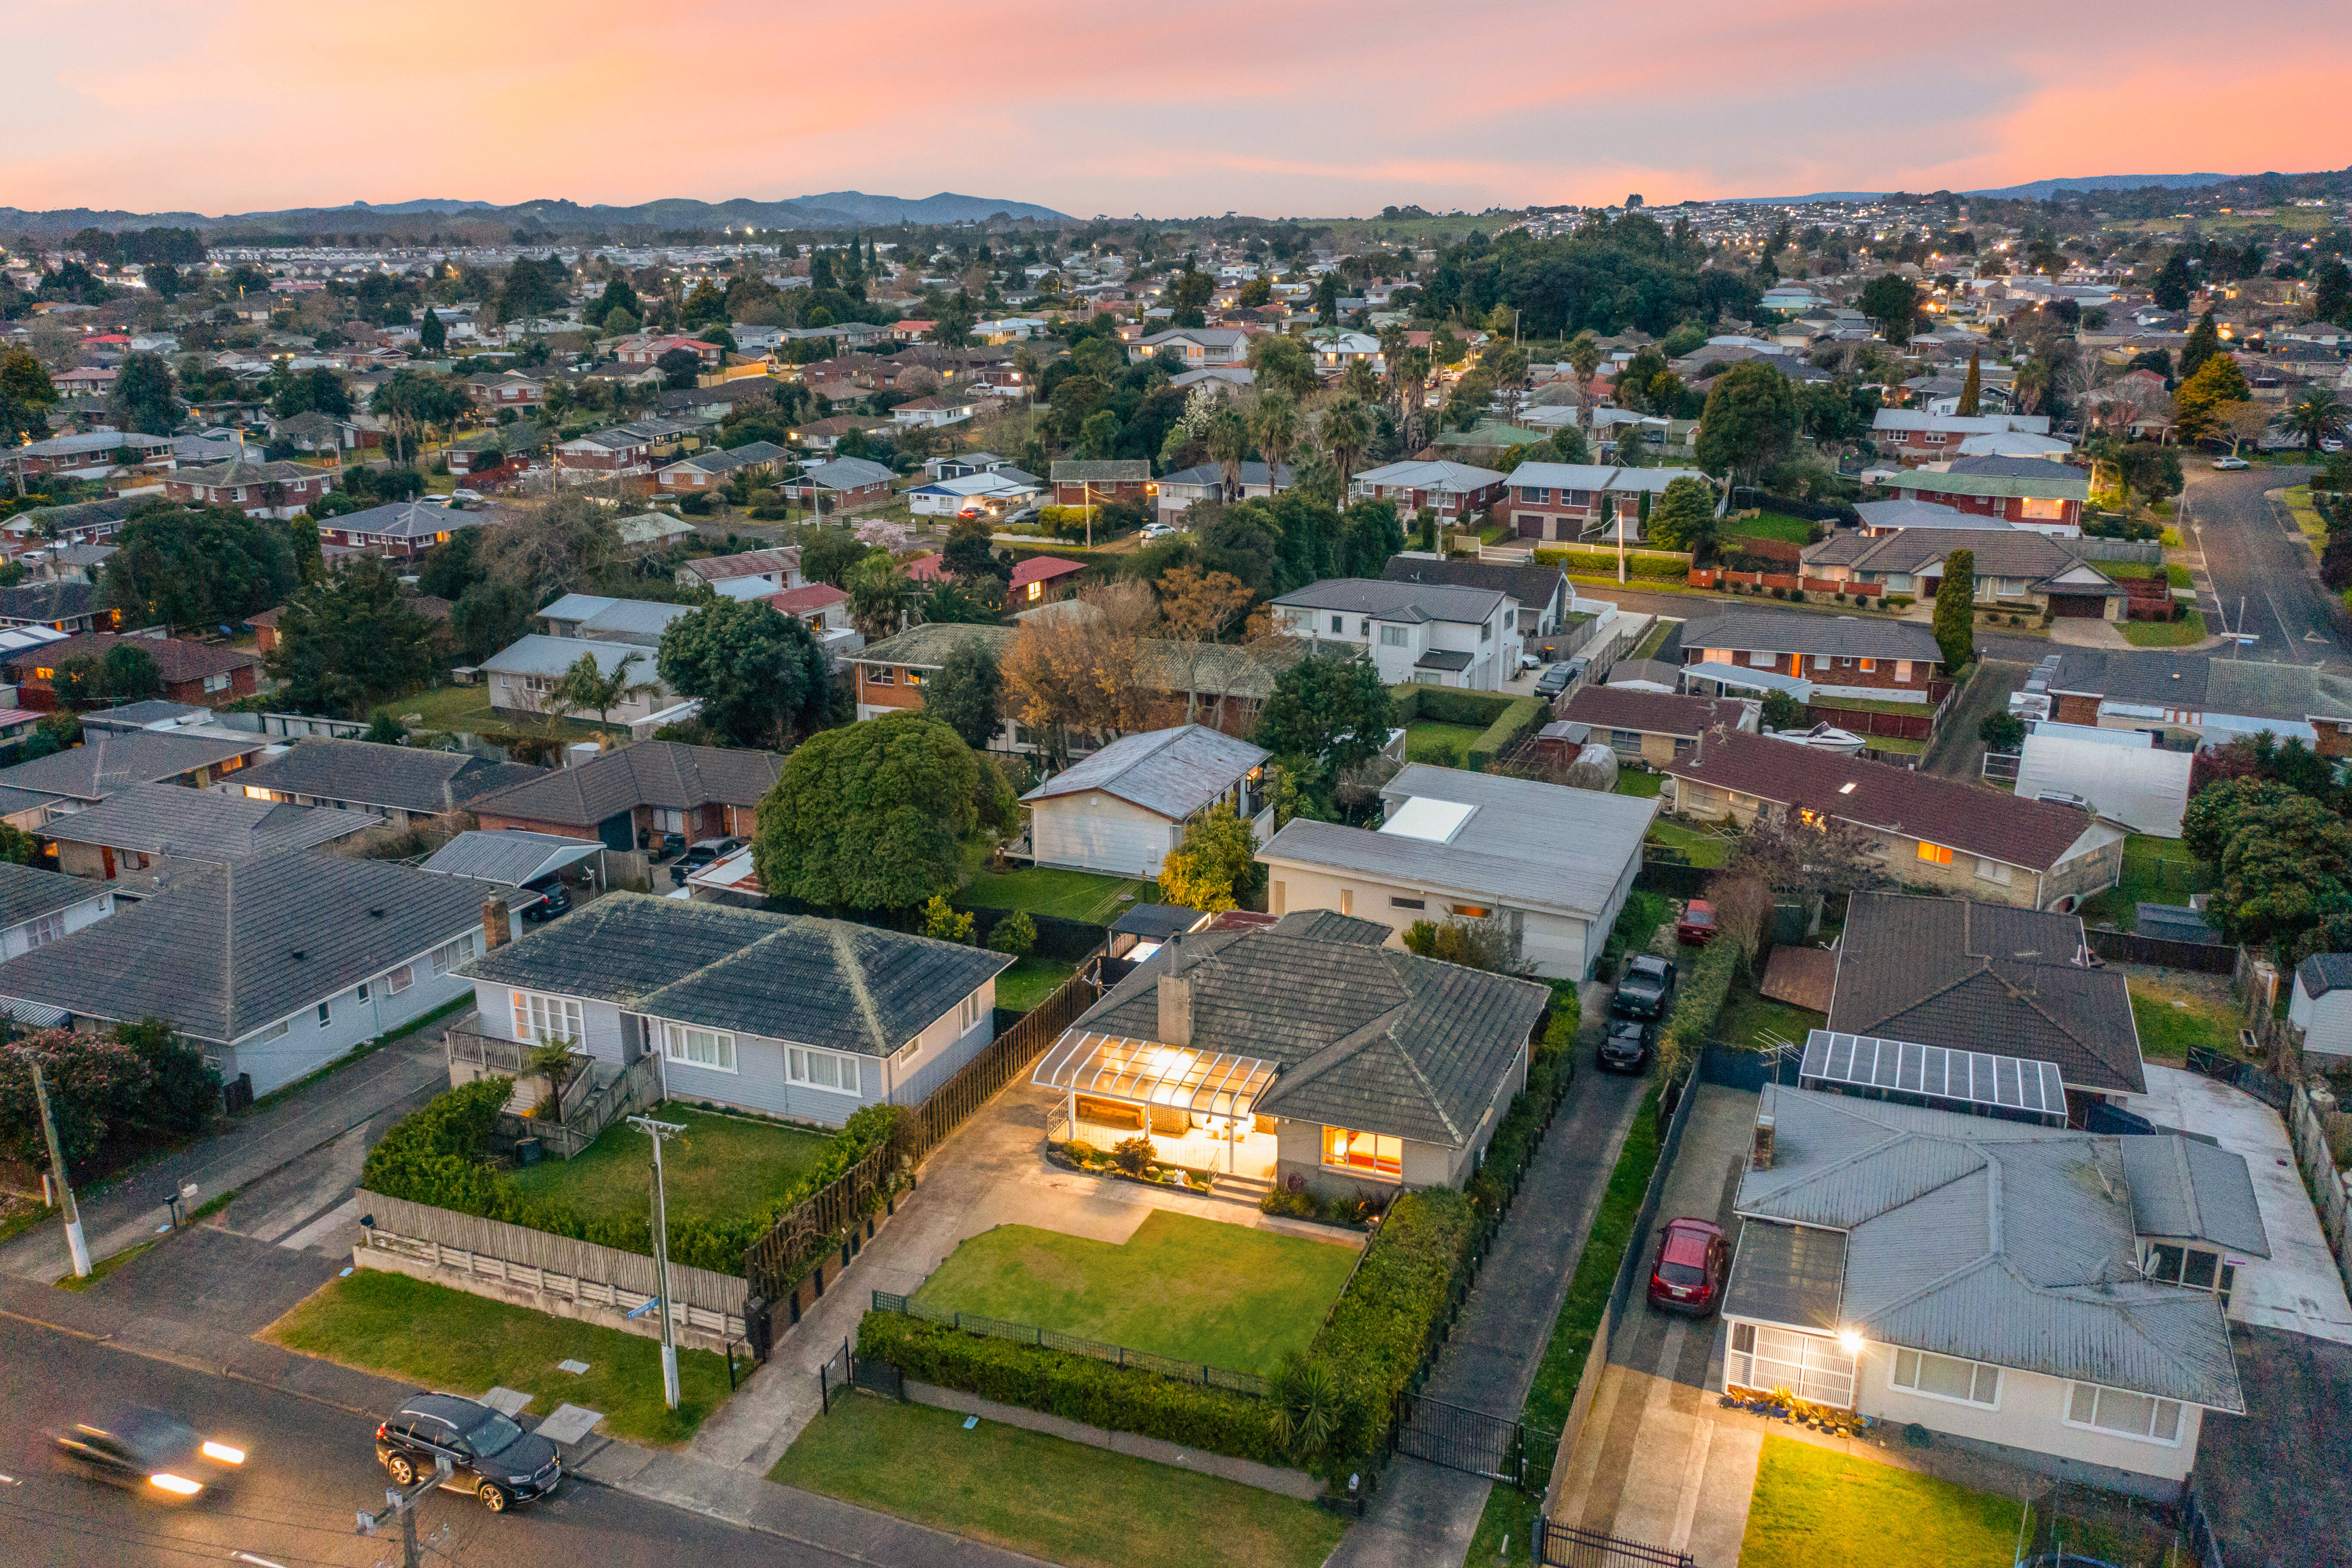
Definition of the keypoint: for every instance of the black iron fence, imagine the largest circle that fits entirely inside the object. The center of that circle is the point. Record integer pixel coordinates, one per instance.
(1499, 1447)
(2267, 1086)
(1561, 1545)
(1247, 1383)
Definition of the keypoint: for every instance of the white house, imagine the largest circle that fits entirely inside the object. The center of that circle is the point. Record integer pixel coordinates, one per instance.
(1122, 809)
(39, 907)
(1434, 633)
(998, 490)
(931, 413)
(2322, 1005)
(521, 676)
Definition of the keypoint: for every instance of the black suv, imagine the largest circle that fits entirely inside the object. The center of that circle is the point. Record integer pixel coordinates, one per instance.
(710, 852)
(554, 898)
(489, 1455)
(1625, 1047)
(1643, 987)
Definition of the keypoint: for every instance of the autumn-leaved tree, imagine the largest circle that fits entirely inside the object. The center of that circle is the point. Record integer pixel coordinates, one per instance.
(1198, 609)
(1081, 673)
(1215, 867)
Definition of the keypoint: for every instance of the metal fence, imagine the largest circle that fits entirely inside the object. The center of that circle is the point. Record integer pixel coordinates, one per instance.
(2267, 1086)
(1247, 1383)
(1499, 1447)
(2129, 947)
(1561, 1545)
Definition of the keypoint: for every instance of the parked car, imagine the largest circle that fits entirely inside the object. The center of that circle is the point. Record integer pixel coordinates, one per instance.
(1553, 680)
(151, 1453)
(1643, 987)
(660, 847)
(1024, 517)
(1693, 1258)
(490, 1456)
(1696, 928)
(554, 898)
(1159, 530)
(2230, 465)
(708, 852)
(1625, 1045)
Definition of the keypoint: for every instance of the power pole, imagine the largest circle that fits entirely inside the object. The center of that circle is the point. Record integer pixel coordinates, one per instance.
(402, 1506)
(74, 1243)
(661, 1132)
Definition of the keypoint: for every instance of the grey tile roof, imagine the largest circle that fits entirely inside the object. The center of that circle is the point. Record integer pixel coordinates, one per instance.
(407, 520)
(44, 602)
(400, 778)
(2005, 552)
(1991, 1240)
(221, 953)
(511, 856)
(1652, 712)
(649, 773)
(1899, 513)
(1535, 587)
(108, 763)
(844, 474)
(1396, 601)
(1114, 471)
(1793, 631)
(28, 892)
(2325, 972)
(1946, 972)
(1173, 772)
(538, 654)
(2185, 1187)
(2062, 483)
(1253, 473)
(927, 647)
(139, 715)
(207, 826)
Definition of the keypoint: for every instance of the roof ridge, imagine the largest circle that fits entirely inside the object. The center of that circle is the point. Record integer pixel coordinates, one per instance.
(853, 971)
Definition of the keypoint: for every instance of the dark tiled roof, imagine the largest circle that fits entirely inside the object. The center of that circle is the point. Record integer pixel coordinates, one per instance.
(2325, 972)
(177, 657)
(1657, 712)
(650, 773)
(204, 825)
(2028, 833)
(1114, 471)
(2004, 552)
(1792, 631)
(48, 601)
(28, 892)
(399, 777)
(108, 763)
(1389, 601)
(1533, 586)
(1946, 972)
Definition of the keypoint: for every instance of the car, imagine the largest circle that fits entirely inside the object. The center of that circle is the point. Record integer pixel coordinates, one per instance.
(708, 852)
(490, 1457)
(1696, 928)
(554, 898)
(969, 512)
(153, 1454)
(1643, 987)
(1553, 680)
(2230, 465)
(2331, 444)
(1625, 1045)
(1024, 517)
(1159, 530)
(1693, 1258)
(1529, 661)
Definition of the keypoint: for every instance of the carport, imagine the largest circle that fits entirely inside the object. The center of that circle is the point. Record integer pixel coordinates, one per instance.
(511, 856)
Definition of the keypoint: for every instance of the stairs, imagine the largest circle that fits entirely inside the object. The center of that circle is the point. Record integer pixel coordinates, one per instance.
(1243, 1190)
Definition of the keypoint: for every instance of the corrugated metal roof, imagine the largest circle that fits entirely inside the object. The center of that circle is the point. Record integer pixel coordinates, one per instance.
(1173, 772)
(2185, 1187)
(509, 856)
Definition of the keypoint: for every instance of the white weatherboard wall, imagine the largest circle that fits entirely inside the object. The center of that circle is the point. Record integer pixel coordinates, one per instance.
(351, 1021)
(18, 939)
(2325, 1021)
(600, 1022)
(759, 1082)
(1095, 831)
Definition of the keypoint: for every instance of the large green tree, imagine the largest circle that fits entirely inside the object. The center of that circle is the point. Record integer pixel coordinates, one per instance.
(1955, 614)
(352, 641)
(2204, 342)
(1750, 422)
(141, 399)
(967, 695)
(199, 566)
(759, 676)
(1329, 710)
(125, 673)
(873, 815)
(1893, 302)
(1683, 518)
(2202, 406)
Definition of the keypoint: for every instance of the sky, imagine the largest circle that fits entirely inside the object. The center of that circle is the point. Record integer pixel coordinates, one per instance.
(1276, 108)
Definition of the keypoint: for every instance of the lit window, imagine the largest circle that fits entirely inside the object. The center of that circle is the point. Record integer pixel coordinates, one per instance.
(1948, 1377)
(1470, 911)
(1365, 1153)
(1935, 854)
(2140, 1415)
(821, 1070)
(711, 1048)
(544, 1019)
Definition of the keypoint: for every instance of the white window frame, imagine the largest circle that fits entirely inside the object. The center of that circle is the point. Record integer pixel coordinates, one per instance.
(48, 928)
(1915, 1363)
(540, 1017)
(797, 1061)
(275, 1032)
(2099, 1393)
(1394, 636)
(968, 1014)
(1993, 871)
(453, 953)
(397, 980)
(327, 1014)
(678, 1043)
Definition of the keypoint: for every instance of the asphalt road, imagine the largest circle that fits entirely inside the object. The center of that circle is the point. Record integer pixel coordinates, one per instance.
(2258, 568)
(312, 1468)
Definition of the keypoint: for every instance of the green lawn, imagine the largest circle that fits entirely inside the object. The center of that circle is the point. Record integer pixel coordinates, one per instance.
(2156, 871)
(1872, 705)
(464, 1343)
(1030, 980)
(1653, 639)
(1814, 1506)
(466, 710)
(724, 1168)
(1746, 1016)
(2172, 1019)
(1053, 1500)
(2190, 628)
(1707, 849)
(1224, 1294)
(1646, 785)
(1423, 735)
(1896, 745)
(1045, 890)
(1771, 525)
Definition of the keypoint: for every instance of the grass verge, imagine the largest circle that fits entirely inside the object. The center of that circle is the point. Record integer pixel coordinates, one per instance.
(2190, 628)
(725, 1169)
(1055, 1500)
(102, 1267)
(1030, 981)
(1813, 1506)
(464, 1343)
(1224, 1294)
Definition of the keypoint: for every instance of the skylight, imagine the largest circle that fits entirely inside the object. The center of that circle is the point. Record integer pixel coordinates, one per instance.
(1435, 820)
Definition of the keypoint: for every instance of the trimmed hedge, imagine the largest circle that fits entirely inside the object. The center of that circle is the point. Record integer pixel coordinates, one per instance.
(1603, 564)
(1076, 1387)
(1517, 718)
(1705, 988)
(1384, 1322)
(1447, 704)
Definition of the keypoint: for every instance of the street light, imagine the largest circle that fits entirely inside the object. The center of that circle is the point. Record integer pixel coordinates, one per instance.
(661, 1132)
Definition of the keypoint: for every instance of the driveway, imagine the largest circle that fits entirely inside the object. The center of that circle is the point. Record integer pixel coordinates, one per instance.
(1956, 753)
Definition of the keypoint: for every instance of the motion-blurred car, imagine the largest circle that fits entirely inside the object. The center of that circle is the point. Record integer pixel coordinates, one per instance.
(151, 1453)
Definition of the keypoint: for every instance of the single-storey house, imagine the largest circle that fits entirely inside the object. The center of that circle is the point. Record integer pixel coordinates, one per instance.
(2012, 566)
(774, 569)
(2058, 497)
(1654, 727)
(1453, 490)
(996, 492)
(1551, 865)
(159, 828)
(203, 675)
(1085, 481)
(2189, 698)
(1434, 633)
(81, 776)
(63, 606)
(1838, 656)
(621, 797)
(397, 784)
(786, 1015)
(1917, 436)
(1206, 481)
(600, 619)
(257, 489)
(2321, 1006)
(38, 907)
(522, 675)
(841, 484)
(1121, 810)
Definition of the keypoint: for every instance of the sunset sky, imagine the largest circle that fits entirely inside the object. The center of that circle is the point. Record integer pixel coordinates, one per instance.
(1303, 108)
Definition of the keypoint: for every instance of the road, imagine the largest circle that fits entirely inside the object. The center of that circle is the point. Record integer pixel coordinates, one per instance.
(312, 1467)
(2259, 572)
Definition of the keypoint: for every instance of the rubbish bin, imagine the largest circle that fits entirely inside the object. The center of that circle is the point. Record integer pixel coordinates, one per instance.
(526, 1151)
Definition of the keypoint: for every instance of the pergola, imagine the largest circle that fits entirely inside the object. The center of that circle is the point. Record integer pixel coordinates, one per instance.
(1147, 1073)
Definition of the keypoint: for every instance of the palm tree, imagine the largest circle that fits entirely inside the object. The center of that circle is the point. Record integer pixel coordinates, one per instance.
(1228, 441)
(1346, 430)
(1584, 358)
(586, 688)
(1275, 423)
(2316, 417)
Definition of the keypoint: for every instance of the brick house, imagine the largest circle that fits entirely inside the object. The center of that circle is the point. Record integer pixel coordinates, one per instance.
(1928, 832)
(1917, 436)
(843, 484)
(1654, 727)
(1455, 490)
(2186, 699)
(198, 674)
(1563, 501)
(1841, 656)
(2013, 567)
(604, 454)
(257, 489)
(1080, 483)
(620, 796)
(2021, 498)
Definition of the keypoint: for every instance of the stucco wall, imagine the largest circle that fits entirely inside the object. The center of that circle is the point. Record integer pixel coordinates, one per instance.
(1558, 946)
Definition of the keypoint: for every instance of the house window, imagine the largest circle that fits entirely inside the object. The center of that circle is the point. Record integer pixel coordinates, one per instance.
(1486, 631)
(968, 1012)
(668, 821)
(1935, 854)
(326, 1013)
(2045, 511)
(1470, 911)
(215, 683)
(881, 675)
(1396, 903)
(542, 1019)
(362, 991)
(1339, 625)
(1392, 637)
(711, 1048)
(276, 1031)
(1902, 670)
(44, 930)
(1625, 739)
(2140, 1415)
(1992, 871)
(1364, 1154)
(821, 1070)
(1948, 1377)
(400, 980)
(1868, 664)
(1759, 660)
(1346, 900)
(450, 954)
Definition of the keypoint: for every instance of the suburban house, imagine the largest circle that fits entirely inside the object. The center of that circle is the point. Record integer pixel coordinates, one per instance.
(1654, 727)
(400, 785)
(1951, 972)
(1082, 482)
(995, 491)
(933, 412)
(1918, 436)
(1206, 481)
(273, 966)
(522, 675)
(257, 489)
(604, 455)
(1304, 1048)
(2321, 1007)
(1928, 831)
(1121, 810)
(769, 569)
(1035, 576)
(56, 606)
(600, 619)
(38, 907)
(2016, 567)
(1883, 517)
(78, 778)
(652, 530)
(1837, 656)
(1433, 633)
(1453, 490)
(785, 1014)
(2075, 1319)
(203, 675)
(1565, 501)
(841, 484)
(702, 471)
(1542, 592)
(159, 828)
(2186, 699)
(400, 531)
(622, 797)
(1194, 346)
(825, 435)
(2057, 498)
(487, 452)
(1551, 865)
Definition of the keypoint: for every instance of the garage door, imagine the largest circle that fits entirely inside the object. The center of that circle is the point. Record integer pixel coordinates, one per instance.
(1094, 841)
(2078, 606)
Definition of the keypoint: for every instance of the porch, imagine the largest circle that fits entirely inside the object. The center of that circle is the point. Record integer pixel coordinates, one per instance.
(1194, 1106)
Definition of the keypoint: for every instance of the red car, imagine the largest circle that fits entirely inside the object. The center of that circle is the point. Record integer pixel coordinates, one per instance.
(1696, 928)
(1693, 1258)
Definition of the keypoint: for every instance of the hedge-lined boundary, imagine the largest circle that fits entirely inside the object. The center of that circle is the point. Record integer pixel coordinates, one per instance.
(1447, 704)
(1519, 718)
(1603, 564)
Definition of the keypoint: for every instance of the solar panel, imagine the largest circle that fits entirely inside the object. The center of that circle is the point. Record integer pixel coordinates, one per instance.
(1978, 1082)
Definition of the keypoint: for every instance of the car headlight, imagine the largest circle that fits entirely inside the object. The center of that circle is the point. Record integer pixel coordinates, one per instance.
(517, 1480)
(178, 1486)
(223, 1453)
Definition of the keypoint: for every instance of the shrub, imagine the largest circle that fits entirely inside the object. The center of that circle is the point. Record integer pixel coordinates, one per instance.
(1448, 705)
(1603, 564)
(943, 923)
(1384, 1322)
(1016, 934)
(1132, 1154)
(1435, 751)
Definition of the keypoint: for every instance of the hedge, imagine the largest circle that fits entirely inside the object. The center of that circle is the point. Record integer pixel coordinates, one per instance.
(1705, 988)
(1603, 564)
(1076, 1387)
(1517, 718)
(1447, 704)
(1384, 1322)
(434, 1156)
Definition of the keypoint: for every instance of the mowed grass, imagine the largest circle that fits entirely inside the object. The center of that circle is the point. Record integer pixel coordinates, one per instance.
(2155, 871)
(1707, 849)
(1046, 890)
(1771, 525)
(1646, 785)
(1199, 1289)
(1812, 1506)
(1055, 1500)
(1424, 736)
(2171, 1018)
(466, 710)
(456, 1342)
(2190, 628)
(1030, 981)
(724, 1168)
(1746, 1017)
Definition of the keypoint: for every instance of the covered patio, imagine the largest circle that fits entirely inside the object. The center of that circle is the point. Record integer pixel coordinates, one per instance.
(1197, 1106)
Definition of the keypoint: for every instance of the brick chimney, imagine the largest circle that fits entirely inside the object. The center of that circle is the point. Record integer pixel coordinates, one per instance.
(1175, 1010)
(1760, 1158)
(497, 928)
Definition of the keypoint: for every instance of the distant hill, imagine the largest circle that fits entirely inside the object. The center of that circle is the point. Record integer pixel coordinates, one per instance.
(945, 207)
(2034, 191)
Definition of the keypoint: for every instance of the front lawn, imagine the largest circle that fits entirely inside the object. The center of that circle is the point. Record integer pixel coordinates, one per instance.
(1771, 525)
(1746, 1017)
(1046, 891)
(2190, 628)
(1057, 1500)
(440, 1338)
(465, 709)
(2171, 1018)
(1426, 739)
(1224, 1294)
(1815, 1506)
(1030, 981)
(725, 1169)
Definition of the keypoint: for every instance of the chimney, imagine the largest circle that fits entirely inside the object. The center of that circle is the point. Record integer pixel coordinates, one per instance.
(1761, 1157)
(496, 929)
(1175, 1009)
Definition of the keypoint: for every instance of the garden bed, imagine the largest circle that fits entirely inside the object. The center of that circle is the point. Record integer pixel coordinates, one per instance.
(1080, 1155)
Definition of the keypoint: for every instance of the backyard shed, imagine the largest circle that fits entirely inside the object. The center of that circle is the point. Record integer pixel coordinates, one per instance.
(1121, 810)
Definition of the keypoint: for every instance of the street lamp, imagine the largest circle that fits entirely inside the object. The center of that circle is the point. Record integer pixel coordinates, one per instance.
(661, 1132)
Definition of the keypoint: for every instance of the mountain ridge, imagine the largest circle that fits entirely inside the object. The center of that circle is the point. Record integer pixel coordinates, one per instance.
(835, 209)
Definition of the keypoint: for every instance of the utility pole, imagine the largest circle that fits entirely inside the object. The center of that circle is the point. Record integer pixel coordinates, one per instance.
(402, 1506)
(74, 1242)
(661, 1132)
